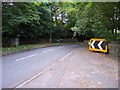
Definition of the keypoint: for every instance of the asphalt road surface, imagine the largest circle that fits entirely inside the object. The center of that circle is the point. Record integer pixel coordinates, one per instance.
(18, 67)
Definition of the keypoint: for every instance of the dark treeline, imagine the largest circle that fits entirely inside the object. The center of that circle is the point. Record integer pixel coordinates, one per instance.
(61, 20)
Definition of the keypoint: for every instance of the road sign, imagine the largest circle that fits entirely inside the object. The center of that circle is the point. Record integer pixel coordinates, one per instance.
(98, 45)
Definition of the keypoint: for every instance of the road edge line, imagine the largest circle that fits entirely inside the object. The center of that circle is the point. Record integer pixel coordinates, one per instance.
(38, 74)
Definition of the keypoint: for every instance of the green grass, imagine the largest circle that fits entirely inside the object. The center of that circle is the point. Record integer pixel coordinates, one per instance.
(9, 50)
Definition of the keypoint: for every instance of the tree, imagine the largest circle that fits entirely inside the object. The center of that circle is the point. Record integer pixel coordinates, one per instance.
(28, 20)
(97, 19)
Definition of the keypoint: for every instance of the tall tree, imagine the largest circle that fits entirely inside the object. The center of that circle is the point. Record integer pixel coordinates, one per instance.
(98, 19)
(28, 20)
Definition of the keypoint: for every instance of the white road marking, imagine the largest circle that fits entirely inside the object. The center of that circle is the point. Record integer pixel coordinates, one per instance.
(35, 76)
(99, 45)
(48, 50)
(66, 56)
(26, 57)
(61, 47)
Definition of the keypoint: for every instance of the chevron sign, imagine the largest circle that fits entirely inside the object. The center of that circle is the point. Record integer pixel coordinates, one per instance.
(98, 45)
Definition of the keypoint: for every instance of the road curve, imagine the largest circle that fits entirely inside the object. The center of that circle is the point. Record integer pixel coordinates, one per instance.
(16, 68)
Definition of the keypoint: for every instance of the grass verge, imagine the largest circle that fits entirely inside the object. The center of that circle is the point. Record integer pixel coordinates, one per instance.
(10, 50)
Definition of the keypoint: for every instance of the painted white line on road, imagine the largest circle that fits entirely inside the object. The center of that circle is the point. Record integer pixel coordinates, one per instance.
(48, 50)
(26, 57)
(66, 56)
(61, 47)
(29, 80)
(35, 76)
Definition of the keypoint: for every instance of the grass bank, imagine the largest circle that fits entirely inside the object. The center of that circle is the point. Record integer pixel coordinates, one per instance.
(10, 50)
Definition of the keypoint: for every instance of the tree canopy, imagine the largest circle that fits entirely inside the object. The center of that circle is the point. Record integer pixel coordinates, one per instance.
(62, 19)
(98, 20)
(29, 20)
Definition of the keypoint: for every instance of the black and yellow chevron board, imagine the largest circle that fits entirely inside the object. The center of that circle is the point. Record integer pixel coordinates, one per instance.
(98, 45)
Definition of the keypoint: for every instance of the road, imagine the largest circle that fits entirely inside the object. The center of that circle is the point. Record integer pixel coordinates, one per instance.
(21, 66)
(80, 68)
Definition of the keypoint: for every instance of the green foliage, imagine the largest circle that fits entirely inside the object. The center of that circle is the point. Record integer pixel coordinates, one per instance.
(28, 20)
(9, 50)
(39, 19)
(98, 18)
